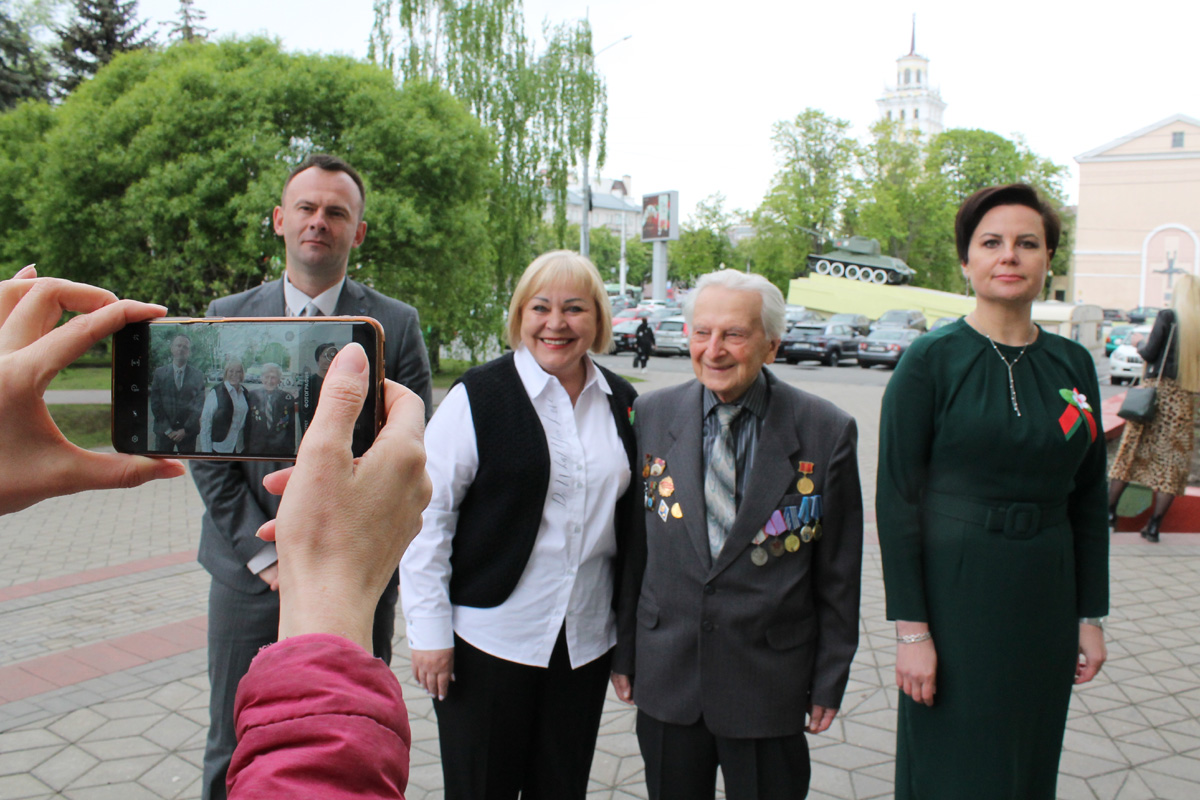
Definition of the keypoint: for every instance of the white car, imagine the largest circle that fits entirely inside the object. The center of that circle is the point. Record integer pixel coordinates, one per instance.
(1125, 365)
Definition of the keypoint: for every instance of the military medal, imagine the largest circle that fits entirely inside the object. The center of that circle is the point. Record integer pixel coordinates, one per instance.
(805, 484)
(662, 510)
(653, 486)
(676, 511)
(759, 537)
(806, 531)
(791, 518)
(758, 556)
(666, 487)
(791, 543)
(777, 521)
(649, 501)
(646, 469)
(816, 515)
(776, 546)
(657, 467)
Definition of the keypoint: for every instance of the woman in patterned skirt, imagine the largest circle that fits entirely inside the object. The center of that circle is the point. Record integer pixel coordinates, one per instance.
(1157, 454)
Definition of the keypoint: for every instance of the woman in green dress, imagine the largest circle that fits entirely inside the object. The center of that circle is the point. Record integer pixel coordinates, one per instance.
(991, 507)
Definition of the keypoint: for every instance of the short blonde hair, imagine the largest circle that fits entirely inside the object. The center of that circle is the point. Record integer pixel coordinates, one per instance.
(1185, 299)
(230, 363)
(562, 267)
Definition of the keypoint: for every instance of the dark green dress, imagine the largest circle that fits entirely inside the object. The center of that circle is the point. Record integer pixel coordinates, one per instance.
(993, 529)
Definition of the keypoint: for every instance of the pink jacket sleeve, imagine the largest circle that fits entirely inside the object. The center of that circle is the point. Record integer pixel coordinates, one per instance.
(318, 716)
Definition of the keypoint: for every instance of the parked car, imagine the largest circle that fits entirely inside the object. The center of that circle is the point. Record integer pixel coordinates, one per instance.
(827, 342)
(860, 322)
(625, 336)
(942, 322)
(901, 318)
(885, 346)
(671, 336)
(1115, 315)
(798, 314)
(1143, 315)
(1115, 336)
(1125, 365)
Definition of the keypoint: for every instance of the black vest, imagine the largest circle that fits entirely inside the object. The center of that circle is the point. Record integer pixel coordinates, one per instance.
(223, 417)
(499, 517)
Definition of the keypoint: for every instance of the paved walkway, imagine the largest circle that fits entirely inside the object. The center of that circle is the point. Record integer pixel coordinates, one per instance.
(103, 692)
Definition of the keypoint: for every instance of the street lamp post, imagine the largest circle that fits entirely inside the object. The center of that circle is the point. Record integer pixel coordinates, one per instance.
(585, 223)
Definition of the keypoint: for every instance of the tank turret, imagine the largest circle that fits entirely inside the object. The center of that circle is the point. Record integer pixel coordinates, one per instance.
(860, 259)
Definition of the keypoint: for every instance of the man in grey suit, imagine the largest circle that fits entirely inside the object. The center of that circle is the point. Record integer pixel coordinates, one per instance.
(320, 218)
(176, 399)
(271, 419)
(738, 610)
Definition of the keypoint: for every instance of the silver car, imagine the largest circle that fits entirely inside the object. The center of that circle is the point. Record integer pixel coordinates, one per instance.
(671, 337)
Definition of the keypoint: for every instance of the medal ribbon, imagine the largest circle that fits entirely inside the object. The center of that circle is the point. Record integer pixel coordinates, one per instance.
(1076, 413)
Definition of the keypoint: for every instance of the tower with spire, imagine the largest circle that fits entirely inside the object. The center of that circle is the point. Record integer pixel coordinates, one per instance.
(913, 101)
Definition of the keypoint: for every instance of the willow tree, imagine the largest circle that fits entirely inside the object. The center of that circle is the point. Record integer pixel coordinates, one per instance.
(546, 110)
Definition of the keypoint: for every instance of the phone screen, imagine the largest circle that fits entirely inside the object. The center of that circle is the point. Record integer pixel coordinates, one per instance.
(233, 388)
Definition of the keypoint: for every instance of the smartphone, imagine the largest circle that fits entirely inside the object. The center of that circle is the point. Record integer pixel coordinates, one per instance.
(231, 388)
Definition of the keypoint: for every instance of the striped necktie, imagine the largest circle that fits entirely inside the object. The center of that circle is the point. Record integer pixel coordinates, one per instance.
(311, 310)
(720, 483)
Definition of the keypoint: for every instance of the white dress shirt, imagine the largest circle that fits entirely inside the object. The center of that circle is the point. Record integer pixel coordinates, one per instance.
(233, 438)
(295, 300)
(569, 576)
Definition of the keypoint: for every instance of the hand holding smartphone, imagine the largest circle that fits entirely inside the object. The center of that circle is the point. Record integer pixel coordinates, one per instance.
(236, 388)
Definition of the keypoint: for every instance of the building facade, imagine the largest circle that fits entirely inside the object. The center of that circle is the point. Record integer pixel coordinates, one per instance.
(1139, 216)
(913, 101)
(613, 205)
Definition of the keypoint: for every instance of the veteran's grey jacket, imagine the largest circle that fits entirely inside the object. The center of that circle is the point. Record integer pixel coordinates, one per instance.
(748, 647)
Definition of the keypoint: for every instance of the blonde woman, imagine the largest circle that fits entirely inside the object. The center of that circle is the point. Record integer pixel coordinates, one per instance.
(508, 589)
(224, 413)
(1158, 454)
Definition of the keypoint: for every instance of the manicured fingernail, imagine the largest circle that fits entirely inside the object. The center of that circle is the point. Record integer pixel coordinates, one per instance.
(26, 272)
(351, 359)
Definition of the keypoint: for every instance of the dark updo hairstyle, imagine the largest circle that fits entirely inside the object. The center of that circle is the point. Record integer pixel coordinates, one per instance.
(321, 348)
(1014, 194)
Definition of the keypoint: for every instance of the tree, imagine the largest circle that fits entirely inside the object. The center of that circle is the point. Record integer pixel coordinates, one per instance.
(101, 29)
(190, 25)
(703, 244)
(545, 113)
(24, 72)
(811, 194)
(157, 179)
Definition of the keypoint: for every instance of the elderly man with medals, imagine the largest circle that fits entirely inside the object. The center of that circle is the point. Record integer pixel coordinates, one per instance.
(738, 614)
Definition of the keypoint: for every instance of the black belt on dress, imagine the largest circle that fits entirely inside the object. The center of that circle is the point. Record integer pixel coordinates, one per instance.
(1014, 520)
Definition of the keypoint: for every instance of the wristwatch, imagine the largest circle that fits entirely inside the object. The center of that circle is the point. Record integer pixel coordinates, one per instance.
(1097, 621)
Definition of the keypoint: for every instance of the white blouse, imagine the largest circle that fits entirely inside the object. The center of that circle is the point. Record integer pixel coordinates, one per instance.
(232, 443)
(568, 579)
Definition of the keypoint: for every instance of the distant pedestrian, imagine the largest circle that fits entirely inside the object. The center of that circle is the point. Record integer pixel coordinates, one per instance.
(644, 339)
(1158, 453)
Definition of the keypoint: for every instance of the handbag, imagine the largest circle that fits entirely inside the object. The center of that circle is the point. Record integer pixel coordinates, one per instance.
(1141, 402)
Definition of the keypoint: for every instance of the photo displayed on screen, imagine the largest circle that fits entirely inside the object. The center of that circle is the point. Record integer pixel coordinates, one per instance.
(239, 389)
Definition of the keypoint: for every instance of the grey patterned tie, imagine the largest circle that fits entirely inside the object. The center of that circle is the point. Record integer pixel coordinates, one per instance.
(720, 483)
(311, 310)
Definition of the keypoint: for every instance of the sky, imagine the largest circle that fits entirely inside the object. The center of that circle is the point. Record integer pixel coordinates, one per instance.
(694, 92)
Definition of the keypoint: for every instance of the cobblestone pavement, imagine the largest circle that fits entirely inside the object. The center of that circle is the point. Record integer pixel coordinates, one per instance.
(103, 689)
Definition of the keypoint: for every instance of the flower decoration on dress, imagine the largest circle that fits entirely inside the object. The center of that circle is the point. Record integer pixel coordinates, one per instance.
(1076, 414)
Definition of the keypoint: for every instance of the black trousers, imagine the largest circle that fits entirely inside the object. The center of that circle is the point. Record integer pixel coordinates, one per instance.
(239, 625)
(640, 357)
(682, 760)
(510, 730)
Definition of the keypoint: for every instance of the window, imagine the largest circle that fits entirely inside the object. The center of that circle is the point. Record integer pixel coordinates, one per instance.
(889, 115)
(902, 115)
(918, 76)
(908, 76)
(916, 113)
(1177, 139)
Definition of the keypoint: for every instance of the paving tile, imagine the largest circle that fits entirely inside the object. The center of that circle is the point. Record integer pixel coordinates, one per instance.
(116, 771)
(25, 760)
(65, 767)
(169, 777)
(16, 787)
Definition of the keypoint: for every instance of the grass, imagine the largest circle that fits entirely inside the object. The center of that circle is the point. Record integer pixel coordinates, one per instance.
(452, 370)
(77, 377)
(85, 424)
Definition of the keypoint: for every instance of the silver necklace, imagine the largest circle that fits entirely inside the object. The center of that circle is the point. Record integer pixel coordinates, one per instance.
(1012, 387)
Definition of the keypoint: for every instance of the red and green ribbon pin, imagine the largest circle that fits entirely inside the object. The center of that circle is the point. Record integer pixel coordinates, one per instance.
(1076, 413)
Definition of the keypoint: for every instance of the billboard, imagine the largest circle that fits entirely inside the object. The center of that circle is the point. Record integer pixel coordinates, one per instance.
(660, 216)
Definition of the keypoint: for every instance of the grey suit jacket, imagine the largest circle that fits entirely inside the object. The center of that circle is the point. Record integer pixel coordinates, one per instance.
(236, 502)
(177, 408)
(748, 647)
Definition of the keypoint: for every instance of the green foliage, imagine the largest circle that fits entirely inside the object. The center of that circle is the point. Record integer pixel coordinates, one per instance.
(77, 378)
(24, 71)
(99, 31)
(899, 188)
(545, 112)
(88, 425)
(189, 27)
(157, 178)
